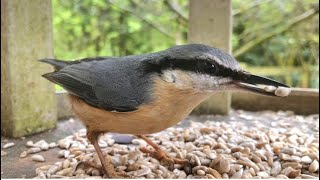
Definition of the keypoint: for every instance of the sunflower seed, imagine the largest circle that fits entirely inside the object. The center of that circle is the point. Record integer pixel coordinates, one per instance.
(282, 91)
(44, 146)
(24, 154)
(8, 145)
(314, 166)
(237, 175)
(64, 172)
(37, 158)
(33, 150)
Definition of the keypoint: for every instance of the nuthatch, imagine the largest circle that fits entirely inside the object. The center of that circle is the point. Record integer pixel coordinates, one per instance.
(143, 94)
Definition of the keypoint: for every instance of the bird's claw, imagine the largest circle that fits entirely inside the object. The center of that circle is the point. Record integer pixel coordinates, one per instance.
(163, 158)
(116, 175)
(170, 162)
(87, 164)
(108, 172)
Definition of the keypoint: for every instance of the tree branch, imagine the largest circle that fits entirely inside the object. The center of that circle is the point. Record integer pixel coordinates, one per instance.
(251, 33)
(238, 12)
(155, 26)
(173, 7)
(292, 23)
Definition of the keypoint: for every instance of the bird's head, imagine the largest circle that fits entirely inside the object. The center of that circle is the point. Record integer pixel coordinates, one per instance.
(205, 69)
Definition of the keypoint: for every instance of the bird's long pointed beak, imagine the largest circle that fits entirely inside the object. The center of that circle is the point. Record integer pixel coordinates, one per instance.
(251, 82)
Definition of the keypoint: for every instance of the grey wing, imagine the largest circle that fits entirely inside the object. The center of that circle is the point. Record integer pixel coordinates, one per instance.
(95, 86)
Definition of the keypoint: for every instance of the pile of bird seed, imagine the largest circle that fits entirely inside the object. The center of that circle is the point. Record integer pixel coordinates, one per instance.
(247, 145)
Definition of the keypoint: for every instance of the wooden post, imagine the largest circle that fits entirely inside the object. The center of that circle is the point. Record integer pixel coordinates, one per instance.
(210, 22)
(28, 103)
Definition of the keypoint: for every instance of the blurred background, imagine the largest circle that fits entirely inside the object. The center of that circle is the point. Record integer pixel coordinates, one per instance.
(274, 38)
(278, 39)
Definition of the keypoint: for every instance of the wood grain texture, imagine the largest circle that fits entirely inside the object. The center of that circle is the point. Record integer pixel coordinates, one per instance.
(29, 103)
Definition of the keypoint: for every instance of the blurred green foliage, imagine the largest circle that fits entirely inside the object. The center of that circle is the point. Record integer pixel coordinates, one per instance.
(266, 33)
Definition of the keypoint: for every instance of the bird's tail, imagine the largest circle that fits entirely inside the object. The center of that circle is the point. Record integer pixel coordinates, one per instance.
(57, 64)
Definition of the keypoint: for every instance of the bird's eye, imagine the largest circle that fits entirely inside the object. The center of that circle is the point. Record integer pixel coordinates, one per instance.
(211, 68)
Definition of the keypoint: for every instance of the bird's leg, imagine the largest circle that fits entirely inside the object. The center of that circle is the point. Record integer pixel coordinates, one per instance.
(159, 154)
(107, 166)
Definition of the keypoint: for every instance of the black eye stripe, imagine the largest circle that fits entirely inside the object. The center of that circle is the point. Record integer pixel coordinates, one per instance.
(198, 66)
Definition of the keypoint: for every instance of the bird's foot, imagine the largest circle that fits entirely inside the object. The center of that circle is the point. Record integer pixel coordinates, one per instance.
(108, 171)
(163, 158)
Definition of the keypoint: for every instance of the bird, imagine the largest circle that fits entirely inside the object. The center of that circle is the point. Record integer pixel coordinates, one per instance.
(147, 93)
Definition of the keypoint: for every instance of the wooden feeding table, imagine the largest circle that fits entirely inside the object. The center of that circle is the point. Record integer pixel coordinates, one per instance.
(300, 101)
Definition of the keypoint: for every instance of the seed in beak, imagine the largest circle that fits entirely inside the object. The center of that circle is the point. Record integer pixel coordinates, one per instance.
(270, 88)
(282, 91)
(278, 91)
